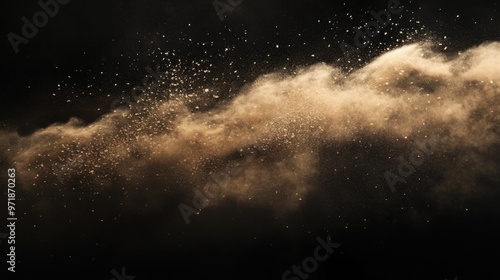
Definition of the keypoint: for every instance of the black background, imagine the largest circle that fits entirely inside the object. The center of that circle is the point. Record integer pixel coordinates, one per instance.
(121, 38)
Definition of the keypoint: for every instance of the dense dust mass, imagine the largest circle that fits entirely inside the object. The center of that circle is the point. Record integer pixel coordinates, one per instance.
(318, 128)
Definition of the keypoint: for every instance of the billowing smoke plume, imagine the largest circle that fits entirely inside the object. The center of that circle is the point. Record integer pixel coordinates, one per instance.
(318, 128)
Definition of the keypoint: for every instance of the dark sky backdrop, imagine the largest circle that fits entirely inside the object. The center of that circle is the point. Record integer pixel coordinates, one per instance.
(107, 44)
(89, 37)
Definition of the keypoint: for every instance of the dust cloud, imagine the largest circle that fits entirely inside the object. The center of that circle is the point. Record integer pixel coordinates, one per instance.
(298, 127)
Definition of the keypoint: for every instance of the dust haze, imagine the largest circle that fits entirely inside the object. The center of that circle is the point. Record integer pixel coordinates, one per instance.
(318, 130)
